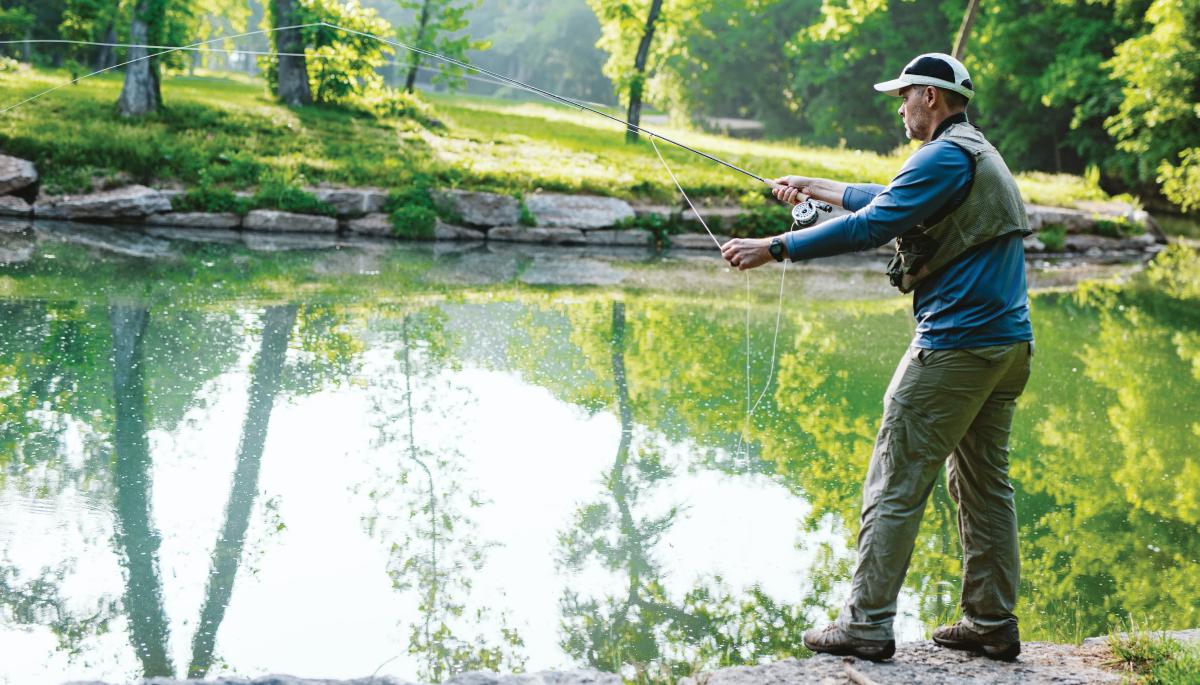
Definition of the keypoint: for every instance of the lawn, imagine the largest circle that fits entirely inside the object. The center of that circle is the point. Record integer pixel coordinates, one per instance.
(227, 133)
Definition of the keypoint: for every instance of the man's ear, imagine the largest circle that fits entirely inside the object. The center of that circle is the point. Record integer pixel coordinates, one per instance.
(931, 96)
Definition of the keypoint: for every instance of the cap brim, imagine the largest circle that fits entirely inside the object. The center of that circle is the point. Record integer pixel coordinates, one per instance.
(892, 87)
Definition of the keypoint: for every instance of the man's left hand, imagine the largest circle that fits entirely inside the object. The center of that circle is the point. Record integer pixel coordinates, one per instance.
(747, 253)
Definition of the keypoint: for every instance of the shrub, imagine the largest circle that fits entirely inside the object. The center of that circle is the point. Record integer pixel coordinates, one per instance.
(1053, 236)
(278, 194)
(414, 213)
(209, 199)
(1118, 228)
(527, 218)
(762, 221)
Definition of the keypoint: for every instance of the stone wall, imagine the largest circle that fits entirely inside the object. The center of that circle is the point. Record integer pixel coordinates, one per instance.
(545, 218)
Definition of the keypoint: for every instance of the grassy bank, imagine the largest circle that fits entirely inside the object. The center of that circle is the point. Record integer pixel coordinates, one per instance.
(1151, 659)
(228, 133)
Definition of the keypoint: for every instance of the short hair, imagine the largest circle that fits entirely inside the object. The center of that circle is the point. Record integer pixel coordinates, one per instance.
(955, 100)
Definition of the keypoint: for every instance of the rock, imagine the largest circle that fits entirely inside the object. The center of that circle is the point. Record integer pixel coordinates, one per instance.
(570, 271)
(697, 241)
(14, 225)
(577, 211)
(11, 205)
(15, 249)
(267, 242)
(352, 201)
(172, 194)
(130, 242)
(130, 202)
(196, 220)
(1090, 243)
(664, 212)
(16, 174)
(546, 236)
(923, 663)
(1140, 242)
(444, 231)
(220, 236)
(636, 237)
(580, 677)
(372, 224)
(275, 221)
(484, 210)
(1032, 244)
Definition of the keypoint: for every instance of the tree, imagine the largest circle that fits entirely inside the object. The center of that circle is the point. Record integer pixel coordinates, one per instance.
(291, 84)
(336, 66)
(1158, 120)
(435, 30)
(635, 72)
(964, 30)
(142, 93)
(227, 553)
(91, 20)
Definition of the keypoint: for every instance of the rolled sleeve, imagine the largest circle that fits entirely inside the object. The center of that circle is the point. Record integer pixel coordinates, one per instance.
(859, 195)
(929, 180)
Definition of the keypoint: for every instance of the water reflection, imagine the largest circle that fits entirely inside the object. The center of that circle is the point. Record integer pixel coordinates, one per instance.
(419, 435)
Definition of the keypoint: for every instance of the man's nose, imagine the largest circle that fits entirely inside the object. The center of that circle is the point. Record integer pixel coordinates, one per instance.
(900, 111)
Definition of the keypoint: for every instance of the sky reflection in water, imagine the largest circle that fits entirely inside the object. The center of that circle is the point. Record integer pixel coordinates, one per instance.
(437, 478)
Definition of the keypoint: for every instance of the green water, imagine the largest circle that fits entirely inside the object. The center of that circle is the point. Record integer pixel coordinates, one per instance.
(328, 462)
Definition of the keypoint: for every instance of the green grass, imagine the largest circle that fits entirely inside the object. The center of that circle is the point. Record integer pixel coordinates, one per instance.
(227, 133)
(1152, 659)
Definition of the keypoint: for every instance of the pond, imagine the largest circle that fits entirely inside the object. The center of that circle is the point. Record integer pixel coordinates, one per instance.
(250, 459)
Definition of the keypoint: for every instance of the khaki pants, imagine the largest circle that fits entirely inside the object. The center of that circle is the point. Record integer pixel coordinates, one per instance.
(942, 403)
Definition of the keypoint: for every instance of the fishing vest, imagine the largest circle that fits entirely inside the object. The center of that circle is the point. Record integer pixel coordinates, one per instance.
(992, 208)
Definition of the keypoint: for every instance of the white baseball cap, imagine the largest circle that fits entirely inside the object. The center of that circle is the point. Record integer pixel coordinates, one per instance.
(932, 69)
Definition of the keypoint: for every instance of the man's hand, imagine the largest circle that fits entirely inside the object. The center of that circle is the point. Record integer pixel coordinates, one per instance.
(792, 189)
(747, 253)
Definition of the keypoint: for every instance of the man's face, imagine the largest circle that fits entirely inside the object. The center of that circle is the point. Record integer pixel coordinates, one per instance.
(917, 116)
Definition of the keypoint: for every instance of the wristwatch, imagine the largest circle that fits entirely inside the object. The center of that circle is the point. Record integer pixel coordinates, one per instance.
(777, 249)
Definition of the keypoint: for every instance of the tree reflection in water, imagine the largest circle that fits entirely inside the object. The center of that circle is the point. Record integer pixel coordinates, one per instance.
(420, 505)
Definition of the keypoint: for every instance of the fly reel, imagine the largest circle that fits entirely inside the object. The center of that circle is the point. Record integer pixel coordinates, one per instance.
(805, 213)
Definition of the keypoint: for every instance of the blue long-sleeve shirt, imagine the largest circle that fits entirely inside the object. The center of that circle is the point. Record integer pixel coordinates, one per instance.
(979, 299)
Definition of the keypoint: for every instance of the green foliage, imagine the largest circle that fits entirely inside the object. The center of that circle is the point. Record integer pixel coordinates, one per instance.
(1181, 180)
(526, 218)
(413, 210)
(206, 198)
(341, 66)
(278, 193)
(761, 221)
(14, 22)
(623, 24)
(1118, 227)
(441, 27)
(1158, 119)
(1155, 659)
(1053, 236)
(1176, 272)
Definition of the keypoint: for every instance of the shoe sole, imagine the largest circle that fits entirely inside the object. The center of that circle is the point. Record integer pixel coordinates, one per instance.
(995, 652)
(884, 653)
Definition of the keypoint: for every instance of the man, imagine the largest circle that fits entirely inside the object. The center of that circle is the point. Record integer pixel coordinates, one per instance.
(959, 221)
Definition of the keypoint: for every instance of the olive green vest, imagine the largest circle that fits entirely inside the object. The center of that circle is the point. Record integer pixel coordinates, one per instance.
(992, 208)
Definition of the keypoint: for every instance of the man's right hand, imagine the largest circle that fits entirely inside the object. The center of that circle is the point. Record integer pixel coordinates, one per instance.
(792, 189)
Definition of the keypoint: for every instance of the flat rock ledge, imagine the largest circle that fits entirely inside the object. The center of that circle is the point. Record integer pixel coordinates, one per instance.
(472, 678)
(924, 663)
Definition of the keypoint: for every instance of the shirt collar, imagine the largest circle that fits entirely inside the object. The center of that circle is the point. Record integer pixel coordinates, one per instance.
(959, 118)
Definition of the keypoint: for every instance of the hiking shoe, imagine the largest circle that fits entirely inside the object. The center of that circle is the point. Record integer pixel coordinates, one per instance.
(833, 640)
(1002, 644)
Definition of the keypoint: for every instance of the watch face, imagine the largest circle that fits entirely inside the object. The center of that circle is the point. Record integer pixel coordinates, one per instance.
(776, 248)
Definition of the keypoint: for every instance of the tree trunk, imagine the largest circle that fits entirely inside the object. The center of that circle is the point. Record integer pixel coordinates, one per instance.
(414, 59)
(104, 57)
(964, 30)
(227, 553)
(639, 76)
(136, 538)
(140, 94)
(292, 84)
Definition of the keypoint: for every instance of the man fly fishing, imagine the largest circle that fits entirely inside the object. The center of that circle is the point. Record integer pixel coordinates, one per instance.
(958, 220)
